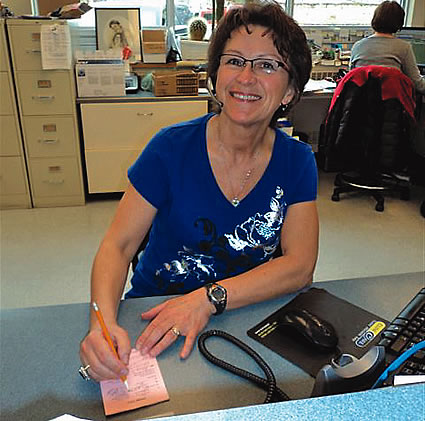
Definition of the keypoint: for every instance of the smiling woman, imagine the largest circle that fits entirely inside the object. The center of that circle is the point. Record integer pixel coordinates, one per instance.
(230, 198)
(252, 93)
(288, 42)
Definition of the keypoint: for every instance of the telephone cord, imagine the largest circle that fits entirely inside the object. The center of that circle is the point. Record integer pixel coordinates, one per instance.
(274, 394)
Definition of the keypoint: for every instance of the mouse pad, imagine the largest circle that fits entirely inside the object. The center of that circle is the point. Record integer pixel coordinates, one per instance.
(358, 330)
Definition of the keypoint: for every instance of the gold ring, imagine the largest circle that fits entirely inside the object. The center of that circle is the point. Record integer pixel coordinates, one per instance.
(175, 331)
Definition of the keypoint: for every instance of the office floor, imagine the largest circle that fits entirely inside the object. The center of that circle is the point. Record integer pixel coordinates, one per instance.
(46, 253)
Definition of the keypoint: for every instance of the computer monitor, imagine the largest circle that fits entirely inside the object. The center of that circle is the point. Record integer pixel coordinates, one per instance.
(415, 36)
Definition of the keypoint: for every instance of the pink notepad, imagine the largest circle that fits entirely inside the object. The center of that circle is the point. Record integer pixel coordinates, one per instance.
(146, 386)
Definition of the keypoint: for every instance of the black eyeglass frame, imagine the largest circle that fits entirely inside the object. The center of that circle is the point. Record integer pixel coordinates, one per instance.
(252, 61)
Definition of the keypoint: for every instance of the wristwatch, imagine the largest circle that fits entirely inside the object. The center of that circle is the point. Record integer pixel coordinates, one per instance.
(218, 296)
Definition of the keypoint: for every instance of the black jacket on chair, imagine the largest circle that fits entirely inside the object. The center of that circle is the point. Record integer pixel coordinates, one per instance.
(367, 128)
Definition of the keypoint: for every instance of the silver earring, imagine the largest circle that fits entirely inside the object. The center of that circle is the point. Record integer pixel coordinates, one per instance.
(283, 107)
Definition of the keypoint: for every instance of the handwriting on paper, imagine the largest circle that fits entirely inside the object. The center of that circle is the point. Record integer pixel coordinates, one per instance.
(146, 386)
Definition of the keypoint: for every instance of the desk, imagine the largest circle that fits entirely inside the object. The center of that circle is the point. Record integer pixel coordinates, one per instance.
(39, 351)
(308, 115)
(115, 131)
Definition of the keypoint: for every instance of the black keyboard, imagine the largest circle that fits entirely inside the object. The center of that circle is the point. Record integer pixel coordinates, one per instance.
(407, 329)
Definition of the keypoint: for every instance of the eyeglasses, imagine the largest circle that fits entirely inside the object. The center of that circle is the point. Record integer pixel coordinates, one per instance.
(260, 66)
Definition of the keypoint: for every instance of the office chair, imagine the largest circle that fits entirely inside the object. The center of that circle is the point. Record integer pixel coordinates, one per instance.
(366, 134)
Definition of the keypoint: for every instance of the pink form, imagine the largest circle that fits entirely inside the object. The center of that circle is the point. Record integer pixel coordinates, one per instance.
(146, 386)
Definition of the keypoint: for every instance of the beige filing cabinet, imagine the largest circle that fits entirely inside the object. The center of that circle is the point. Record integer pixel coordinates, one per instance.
(115, 134)
(14, 190)
(47, 108)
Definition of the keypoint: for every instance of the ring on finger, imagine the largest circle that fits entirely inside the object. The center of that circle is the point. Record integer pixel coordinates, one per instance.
(175, 331)
(84, 373)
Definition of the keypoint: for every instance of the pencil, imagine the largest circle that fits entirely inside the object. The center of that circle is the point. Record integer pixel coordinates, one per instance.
(108, 337)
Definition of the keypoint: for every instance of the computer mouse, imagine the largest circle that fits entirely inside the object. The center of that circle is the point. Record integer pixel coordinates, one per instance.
(305, 326)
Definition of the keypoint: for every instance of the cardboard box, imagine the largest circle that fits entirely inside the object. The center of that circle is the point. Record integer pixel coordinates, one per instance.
(154, 45)
(194, 50)
(96, 79)
(175, 83)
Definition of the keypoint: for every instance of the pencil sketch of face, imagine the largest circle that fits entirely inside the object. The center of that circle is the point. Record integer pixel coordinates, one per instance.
(117, 34)
(119, 30)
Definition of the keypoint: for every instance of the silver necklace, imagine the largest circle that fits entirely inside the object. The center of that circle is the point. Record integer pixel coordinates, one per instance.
(236, 197)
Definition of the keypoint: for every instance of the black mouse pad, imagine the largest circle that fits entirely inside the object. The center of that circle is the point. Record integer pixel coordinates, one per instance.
(358, 330)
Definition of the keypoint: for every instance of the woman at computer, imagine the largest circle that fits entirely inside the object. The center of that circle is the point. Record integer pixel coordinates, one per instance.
(384, 49)
(222, 192)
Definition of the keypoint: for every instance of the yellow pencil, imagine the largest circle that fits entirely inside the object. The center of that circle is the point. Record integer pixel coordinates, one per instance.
(108, 337)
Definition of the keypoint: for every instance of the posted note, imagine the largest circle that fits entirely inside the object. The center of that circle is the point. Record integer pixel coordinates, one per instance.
(145, 383)
(55, 47)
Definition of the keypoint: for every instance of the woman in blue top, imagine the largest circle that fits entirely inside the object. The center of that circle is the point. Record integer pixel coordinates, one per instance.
(221, 192)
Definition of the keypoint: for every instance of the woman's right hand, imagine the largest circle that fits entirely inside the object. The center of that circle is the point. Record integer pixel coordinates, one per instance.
(96, 352)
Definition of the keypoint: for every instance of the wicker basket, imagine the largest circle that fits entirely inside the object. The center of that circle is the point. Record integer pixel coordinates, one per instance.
(175, 83)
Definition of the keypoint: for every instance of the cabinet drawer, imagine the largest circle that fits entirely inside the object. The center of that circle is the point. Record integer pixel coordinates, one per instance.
(55, 177)
(9, 136)
(107, 170)
(12, 175)
(120, 126)
(46, 92)
(26, 46)
(50, 136)
(6, 103)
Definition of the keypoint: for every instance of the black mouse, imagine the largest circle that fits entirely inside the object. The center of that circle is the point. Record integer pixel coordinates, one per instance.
(300, 323)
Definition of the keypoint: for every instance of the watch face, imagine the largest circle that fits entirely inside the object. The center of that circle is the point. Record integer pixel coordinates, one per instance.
(217, 293)
(218, 296)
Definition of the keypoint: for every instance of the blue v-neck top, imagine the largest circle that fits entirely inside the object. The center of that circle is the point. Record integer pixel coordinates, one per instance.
(198, 236)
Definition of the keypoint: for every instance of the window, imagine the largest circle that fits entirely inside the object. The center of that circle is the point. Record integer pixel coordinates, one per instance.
(305, 12)
(154, 12)
(334, 12)
(151, 11)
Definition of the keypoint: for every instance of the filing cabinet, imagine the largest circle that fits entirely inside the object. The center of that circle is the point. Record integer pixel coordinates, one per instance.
(115, 133)
(14, 189)
(46, 100)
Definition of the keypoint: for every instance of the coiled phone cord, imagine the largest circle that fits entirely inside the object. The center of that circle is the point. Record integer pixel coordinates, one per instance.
(274, 394)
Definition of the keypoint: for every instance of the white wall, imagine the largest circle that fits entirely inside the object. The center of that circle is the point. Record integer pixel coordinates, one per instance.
(416, 17)
(20, 7)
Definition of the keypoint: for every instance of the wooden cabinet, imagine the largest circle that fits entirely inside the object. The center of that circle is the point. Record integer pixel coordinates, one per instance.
(116, 133)
(14, 190)
(47, 110)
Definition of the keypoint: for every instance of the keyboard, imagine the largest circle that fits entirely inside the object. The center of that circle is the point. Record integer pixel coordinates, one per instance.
(407, 329)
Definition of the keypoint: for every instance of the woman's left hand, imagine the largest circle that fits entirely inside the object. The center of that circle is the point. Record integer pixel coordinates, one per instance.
(186, 315)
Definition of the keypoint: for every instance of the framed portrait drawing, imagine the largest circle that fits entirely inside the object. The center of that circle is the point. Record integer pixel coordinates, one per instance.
(119, 28)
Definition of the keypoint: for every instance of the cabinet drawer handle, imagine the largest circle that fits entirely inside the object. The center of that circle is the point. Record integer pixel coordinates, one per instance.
(48, 141)
(33, 51)
(50, 181)
(145, 114)
(43, 98)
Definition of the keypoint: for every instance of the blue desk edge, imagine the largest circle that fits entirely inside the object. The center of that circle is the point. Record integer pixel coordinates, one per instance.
(390, 403)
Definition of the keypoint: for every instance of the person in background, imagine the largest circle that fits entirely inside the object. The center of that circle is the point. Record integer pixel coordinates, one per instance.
(222, 192)
(384, 49)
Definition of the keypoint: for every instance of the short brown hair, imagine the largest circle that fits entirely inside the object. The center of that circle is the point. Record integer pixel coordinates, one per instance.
(288, 38)
(388, 17)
